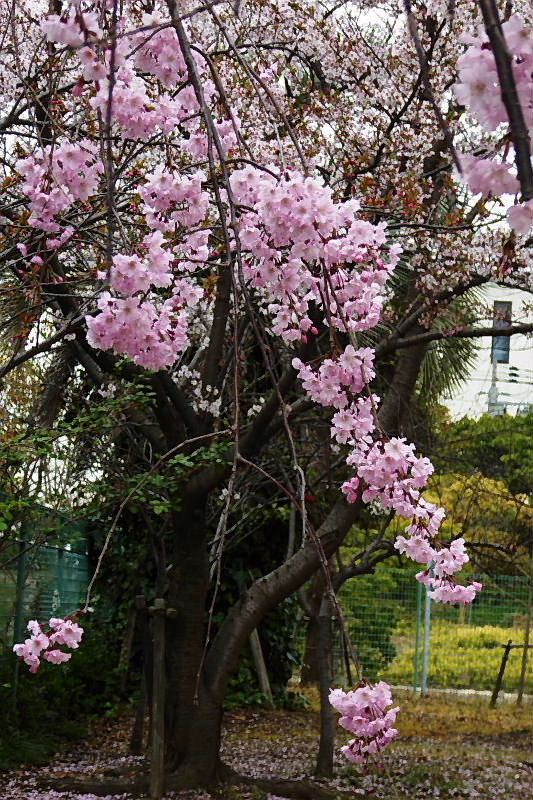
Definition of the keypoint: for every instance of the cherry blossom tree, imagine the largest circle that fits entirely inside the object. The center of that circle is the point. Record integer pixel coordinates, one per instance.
(191, 190)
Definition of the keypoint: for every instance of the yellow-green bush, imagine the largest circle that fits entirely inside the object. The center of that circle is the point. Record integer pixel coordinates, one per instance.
(463, 656)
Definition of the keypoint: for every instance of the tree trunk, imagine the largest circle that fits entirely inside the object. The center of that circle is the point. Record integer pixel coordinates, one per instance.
(324, 763)
(193, 719)
(311, 599)
(195, 757)
(396, 406)
(310, 671)
(195, 704)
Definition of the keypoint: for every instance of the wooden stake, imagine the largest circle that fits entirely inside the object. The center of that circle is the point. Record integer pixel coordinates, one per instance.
(499, 679)
(260, 666)
(157, 761)
(125, 650)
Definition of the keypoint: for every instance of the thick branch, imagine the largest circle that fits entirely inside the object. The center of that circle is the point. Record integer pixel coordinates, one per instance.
(180, 403)
(420, 307)
(466, 333)
(365, 566)
(397, 401)
(218, 328)
(268, 591)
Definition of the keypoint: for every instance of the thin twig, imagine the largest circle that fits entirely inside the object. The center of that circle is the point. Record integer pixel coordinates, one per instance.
(413, 30)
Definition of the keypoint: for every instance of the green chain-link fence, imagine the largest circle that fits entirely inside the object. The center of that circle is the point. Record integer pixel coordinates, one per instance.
(38, 582)
(43, 567)
(403, 639)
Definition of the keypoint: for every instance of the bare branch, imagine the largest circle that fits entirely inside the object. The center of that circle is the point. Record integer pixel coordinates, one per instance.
(466, 333)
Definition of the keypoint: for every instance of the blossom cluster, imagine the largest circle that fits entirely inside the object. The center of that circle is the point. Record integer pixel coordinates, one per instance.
(138, 115)
(72, 28)
(160, 55)
(61, 633)
(173, 199)
(135, 109)
(57, 176)
(324, 255)
(442, 589)
(363, 713)
(151, 335)
(151, 330)
(335, 381)
(479, 89)
(306, 249)
(388, 472)
(394, 475)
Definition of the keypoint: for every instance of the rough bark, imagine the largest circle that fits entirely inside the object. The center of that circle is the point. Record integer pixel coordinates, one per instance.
(195, 698)
(309, 675)
(396, 405)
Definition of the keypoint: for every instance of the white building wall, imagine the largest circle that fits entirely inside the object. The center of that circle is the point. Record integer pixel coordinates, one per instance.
(512, 383)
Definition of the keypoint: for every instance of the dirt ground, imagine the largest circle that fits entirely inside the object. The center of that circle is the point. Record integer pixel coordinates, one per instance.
(448, 747)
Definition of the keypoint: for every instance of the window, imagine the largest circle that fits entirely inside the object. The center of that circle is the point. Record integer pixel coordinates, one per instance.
(500, 344)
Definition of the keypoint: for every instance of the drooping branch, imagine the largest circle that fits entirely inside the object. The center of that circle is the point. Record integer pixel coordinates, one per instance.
(509, 94)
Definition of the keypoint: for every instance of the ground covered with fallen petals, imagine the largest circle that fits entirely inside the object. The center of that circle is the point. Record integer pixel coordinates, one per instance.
(448, 748)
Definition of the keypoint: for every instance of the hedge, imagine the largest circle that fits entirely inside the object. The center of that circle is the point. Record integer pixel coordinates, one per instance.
(463, 656)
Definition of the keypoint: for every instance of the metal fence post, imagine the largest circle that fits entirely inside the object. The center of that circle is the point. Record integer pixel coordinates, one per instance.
(425, 654)
(416, 659)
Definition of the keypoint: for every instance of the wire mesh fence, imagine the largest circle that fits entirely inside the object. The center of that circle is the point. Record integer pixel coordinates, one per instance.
(402, 637)
(399, 636)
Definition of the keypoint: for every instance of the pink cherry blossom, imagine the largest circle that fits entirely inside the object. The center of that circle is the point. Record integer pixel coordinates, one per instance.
(520, 217)
(61, 631)
(363, 713)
